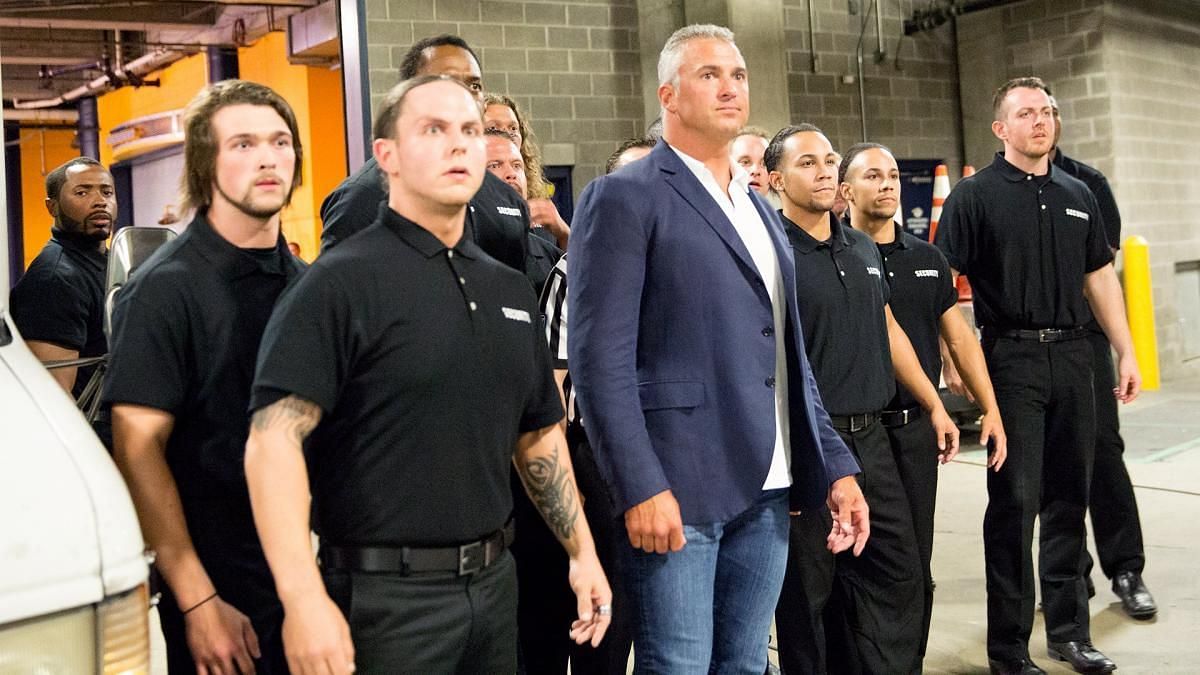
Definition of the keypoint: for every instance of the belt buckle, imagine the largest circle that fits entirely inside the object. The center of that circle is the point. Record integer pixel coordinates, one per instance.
(904, 416)
(1048, 334)
(471, 558)
(858, 422)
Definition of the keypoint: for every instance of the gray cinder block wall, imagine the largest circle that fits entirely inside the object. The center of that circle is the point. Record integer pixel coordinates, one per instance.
(1127, 77)
(912, 97)
(572, 66)
(577, 67)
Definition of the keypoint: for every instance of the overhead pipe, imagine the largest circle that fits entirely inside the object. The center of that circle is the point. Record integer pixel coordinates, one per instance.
(858, 52)
(928, 19)
(60, 117)
(812, 38)
(880, 52)
(135, 69)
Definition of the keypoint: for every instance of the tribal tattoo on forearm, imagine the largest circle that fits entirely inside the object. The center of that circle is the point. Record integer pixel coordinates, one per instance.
(553, 491)
(295, 416)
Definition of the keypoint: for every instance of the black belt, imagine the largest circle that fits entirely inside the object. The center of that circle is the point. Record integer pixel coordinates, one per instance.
(403, 560)
(853, 423)
(898, 418)
(1038, 334)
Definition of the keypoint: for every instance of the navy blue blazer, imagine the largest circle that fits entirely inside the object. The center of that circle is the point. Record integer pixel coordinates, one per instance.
(672, 348)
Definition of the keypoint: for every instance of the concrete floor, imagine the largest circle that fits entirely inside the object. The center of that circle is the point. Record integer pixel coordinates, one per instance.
(1162, 435)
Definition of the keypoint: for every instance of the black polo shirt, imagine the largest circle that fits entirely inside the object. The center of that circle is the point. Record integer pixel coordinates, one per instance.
(1101, 190)
(542, 258)
(498, 218)
(841, 294)
(60, 299)
(922, 291)
(1103, 193)
(1026, 242)
(186, 330)
(427, 363)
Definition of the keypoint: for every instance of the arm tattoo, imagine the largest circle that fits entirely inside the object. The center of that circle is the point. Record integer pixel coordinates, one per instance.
(552, 490)
(295, 416)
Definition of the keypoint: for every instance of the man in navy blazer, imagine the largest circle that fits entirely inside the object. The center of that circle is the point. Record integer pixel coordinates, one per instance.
(690, 371)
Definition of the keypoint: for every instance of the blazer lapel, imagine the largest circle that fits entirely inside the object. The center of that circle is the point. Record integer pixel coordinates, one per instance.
(680, 177)
(783, 250)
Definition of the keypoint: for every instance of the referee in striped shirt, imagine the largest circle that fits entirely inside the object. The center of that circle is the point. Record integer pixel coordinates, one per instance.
(612, 656)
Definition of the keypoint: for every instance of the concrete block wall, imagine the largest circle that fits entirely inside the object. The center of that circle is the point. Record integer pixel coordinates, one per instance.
(1127, 79)
(912, 96)
(1152, 56)
(572, 66)
(1060, 41)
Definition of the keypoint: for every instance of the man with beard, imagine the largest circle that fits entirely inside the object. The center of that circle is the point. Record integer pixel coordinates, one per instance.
(186, 331)
(59, 304)
(1032, 240)
(925, 304)
(858, 352)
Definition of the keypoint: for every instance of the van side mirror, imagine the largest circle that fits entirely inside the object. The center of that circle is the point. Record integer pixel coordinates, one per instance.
(130, 248)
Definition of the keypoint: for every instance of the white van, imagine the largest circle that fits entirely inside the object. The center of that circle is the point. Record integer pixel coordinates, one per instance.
(73, 592)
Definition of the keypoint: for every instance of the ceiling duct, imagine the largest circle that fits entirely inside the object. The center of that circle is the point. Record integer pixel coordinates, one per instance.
(313, 36)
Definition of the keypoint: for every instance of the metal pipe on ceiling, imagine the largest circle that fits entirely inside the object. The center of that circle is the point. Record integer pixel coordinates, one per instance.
(42, 116)
(928, 19)
(136, 68)
(812, 38)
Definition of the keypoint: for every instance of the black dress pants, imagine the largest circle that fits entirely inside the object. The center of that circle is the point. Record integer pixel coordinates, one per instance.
(1046, 398)
(547, 605)
(915, 448)
(848, 615)
(430, 624)
(1115, 522)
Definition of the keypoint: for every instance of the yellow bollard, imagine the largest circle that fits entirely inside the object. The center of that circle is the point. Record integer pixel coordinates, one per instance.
(1139, 305)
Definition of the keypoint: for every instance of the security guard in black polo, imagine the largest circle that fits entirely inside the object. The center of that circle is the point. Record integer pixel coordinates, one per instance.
(58, 305)
(498, 217)
(925, 304)
(1113, 507)
(872, 623)
(417, 364)
(1032, 241)
(186, 330)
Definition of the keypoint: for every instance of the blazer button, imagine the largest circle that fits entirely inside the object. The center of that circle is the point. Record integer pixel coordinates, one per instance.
(768, 331)
(770, 382)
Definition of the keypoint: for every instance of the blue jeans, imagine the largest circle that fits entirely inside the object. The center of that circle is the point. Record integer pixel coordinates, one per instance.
(707, 608)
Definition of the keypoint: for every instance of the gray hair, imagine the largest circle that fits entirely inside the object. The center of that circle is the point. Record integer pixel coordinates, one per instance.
(671, 57)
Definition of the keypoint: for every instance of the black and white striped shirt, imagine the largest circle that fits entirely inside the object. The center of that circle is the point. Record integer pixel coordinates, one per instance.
(554, 314)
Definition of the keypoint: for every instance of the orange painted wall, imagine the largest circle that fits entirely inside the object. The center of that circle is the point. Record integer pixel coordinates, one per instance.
(315, 95)
(41, 152)
(179, 82)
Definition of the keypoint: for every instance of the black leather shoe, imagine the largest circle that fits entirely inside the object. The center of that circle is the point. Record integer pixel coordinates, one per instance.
(1081, 656)
(1136, 600)
(1022, 667)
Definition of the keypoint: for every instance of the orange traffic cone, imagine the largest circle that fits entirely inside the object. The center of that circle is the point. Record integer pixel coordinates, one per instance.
(941, 190)
(964, 286)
